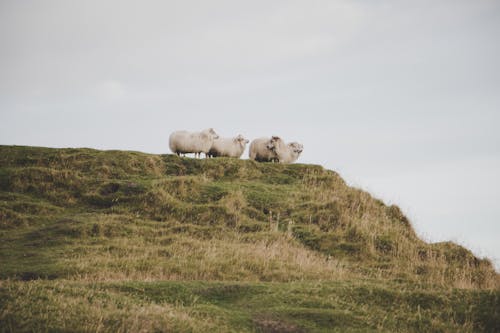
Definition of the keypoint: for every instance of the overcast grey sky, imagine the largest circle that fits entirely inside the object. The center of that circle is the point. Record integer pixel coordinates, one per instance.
(402, 98)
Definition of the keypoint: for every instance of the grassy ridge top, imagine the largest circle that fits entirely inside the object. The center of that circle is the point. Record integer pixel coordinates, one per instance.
(82, 193)
(100, 222)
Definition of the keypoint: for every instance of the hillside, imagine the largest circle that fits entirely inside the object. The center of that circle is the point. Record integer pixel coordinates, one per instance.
(126, 241)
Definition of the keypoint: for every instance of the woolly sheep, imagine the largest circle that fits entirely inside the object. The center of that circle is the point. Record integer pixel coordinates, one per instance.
(262, 149)
(230, 147)
(275, 150)
(184, 142)
(288, 153)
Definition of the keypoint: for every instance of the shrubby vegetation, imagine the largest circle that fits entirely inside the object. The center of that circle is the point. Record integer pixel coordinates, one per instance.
(126, 241)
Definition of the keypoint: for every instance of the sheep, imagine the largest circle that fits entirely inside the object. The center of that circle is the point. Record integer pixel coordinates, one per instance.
(262, 149)
(183, 142)
(229, 147)
(289, 153)
(275, 150)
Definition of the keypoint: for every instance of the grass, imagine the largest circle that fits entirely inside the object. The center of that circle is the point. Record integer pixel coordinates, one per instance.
(197, 306)
(126, 241)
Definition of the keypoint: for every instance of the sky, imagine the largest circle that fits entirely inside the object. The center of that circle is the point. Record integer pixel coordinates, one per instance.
(402, 98)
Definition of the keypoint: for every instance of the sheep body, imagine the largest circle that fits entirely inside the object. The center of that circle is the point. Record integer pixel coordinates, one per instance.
(274, 149)
(184, 142)
(288, 153)
(229, 147)
(262, 149)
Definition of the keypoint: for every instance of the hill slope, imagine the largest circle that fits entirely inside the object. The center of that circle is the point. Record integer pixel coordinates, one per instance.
(124, 241)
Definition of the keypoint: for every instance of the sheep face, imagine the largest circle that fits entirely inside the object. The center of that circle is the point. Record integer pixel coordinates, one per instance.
(211, 133)
(241, 140)
(274, 143)
(296, 147)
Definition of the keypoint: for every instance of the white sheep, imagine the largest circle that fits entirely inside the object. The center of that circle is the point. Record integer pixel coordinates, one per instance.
(262, 149)
(184, 142)
(229, 147)
(275, 150)
(289, 153)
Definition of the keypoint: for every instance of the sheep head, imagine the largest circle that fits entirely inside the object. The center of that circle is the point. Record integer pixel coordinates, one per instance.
(211, 133)
(241, 140)
(296, 147)
(273, 143)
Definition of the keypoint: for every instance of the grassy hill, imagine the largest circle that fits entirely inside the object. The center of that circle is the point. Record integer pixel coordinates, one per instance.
(125, 241)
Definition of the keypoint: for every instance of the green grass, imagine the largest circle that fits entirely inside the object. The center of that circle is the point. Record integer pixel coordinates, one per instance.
(196, 306)
(126, 241)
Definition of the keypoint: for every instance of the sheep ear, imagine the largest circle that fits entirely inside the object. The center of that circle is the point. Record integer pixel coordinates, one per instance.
(275, 137)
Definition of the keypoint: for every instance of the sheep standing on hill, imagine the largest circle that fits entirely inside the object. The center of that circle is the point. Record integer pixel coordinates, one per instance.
(274, 150)
(184, 142)
(289, 153)
(229, 147)
(261, 150)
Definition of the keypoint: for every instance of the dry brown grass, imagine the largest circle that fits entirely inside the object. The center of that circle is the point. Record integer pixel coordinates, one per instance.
(187, 258)
(71, 306)
(106, 226)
